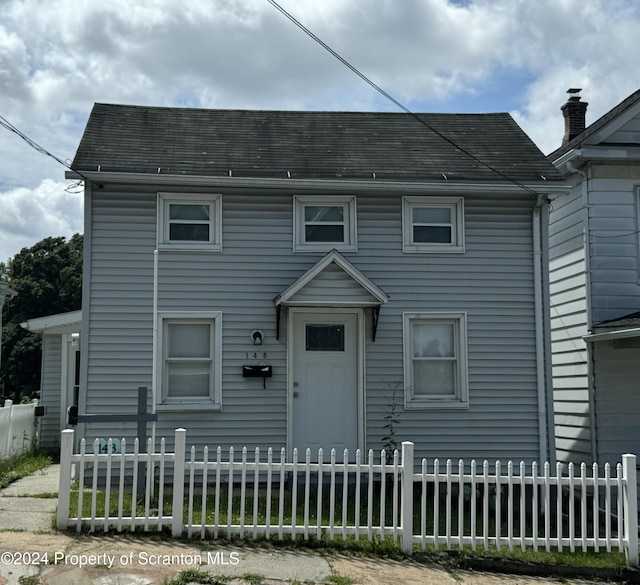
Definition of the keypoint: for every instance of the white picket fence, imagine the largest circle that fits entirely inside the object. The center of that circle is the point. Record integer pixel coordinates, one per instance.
(443, 506)
(17, 427)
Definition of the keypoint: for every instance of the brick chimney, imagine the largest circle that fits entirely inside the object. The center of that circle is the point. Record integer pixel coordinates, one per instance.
(574, 112)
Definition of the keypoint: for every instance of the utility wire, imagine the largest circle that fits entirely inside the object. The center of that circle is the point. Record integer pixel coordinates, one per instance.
(393, 100)
(33, 144)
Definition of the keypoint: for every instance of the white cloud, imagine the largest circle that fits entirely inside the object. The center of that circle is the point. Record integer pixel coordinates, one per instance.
(29, 215)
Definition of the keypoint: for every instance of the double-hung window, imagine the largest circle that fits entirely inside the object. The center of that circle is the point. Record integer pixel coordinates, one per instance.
(190, 366)
(324, 223)
(189, 221)
(435, 360)
(433, 224)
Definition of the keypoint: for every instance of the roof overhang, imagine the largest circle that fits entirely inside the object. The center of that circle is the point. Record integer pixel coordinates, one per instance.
(613, 334)
(542, 187)
(60, 323)
(605, 153)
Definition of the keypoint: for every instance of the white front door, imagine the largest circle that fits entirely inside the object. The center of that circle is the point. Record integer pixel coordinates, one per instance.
(325, 380)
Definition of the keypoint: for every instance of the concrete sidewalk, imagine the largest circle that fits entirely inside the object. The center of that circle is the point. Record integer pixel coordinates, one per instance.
(31, 547)
(18, 511)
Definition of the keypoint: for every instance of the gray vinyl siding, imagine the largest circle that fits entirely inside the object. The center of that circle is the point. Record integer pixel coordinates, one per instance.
(50, 389)
(613, 241)
(617, 381)
(629, 133)
(492, 281)
(568, 290)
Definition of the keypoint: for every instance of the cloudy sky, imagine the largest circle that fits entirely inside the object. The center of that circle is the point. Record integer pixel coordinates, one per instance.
(58, 57)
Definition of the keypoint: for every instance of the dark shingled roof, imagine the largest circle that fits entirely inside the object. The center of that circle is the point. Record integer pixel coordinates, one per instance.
(307, 145)
(630, 320)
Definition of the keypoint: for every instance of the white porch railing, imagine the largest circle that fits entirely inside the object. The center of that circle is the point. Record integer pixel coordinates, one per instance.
(441, 505)
(17, 427)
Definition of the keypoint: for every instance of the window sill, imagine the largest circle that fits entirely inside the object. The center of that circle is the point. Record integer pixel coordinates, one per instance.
(433, 249)
(189, 248)
(188, 407)
(313, 248)
(436, 405)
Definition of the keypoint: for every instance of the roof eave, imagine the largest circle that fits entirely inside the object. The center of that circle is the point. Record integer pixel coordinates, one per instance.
(542, 186)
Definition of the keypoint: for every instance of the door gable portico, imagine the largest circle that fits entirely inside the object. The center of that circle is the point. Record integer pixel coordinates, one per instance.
(332, 282)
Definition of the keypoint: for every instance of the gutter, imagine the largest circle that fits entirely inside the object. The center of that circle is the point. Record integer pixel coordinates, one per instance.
(98, 177)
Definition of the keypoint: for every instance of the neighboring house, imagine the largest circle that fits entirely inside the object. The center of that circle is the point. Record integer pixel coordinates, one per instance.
(359, 260)
(60, 371)
(595, 285)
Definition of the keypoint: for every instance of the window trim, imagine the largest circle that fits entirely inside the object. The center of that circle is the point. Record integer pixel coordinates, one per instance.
(461, 399)
(348, 202)
(214, 201)
(455, 204)
(214, 400)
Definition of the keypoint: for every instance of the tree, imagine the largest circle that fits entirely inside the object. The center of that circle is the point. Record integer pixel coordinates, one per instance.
(48, 280)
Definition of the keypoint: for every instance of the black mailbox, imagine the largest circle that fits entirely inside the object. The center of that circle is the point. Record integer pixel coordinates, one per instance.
(40, 410)
(260, 371)
(72, 416)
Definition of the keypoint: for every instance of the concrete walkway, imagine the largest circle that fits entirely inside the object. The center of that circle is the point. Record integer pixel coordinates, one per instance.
(31, 547)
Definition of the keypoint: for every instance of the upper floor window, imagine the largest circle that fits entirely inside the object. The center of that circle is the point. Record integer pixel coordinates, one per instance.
(324, 223)
(433, 224)
(189, 221)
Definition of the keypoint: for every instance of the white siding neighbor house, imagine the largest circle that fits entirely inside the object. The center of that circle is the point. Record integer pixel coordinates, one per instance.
(60, 371)
(595, 284)
(288, 279)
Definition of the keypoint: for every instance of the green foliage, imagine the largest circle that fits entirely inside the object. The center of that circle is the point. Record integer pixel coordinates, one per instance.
(253, 578)
(17, 466)
(392, 420)
(48, 280)
(189, 576)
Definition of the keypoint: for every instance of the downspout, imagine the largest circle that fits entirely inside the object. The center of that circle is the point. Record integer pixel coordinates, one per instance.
(87, 245)
(539, 332)
(154, 351)
(546, 308)
(584, 184)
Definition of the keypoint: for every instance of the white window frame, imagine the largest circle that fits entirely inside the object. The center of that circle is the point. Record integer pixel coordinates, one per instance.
(455, 204)
(214, 201)
(214, 400)
(347, 202)
(461, 397)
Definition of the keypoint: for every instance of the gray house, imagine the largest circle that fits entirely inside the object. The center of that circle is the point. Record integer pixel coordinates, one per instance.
(59, 379)
(595, 284)
(286, 279)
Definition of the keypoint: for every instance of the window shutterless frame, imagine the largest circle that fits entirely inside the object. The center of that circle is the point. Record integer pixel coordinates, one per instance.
(190, 221)
(435, 360)
(189, 368)
(324, 223)
(433, 225)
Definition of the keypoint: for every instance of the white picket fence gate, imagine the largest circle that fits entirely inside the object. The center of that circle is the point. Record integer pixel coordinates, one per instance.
(442, 506)
(17, 427)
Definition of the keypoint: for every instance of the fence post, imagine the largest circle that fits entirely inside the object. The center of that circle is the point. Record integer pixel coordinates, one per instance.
(8, 450)
(406, 509)
(64, 485)
(178, 482)
(630, 508)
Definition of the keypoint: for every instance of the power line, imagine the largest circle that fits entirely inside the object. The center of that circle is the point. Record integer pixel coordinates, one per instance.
(393, 100)
(33, 144)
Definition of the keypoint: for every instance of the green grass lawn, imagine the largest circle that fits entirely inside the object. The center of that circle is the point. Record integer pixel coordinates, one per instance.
(17, 466)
